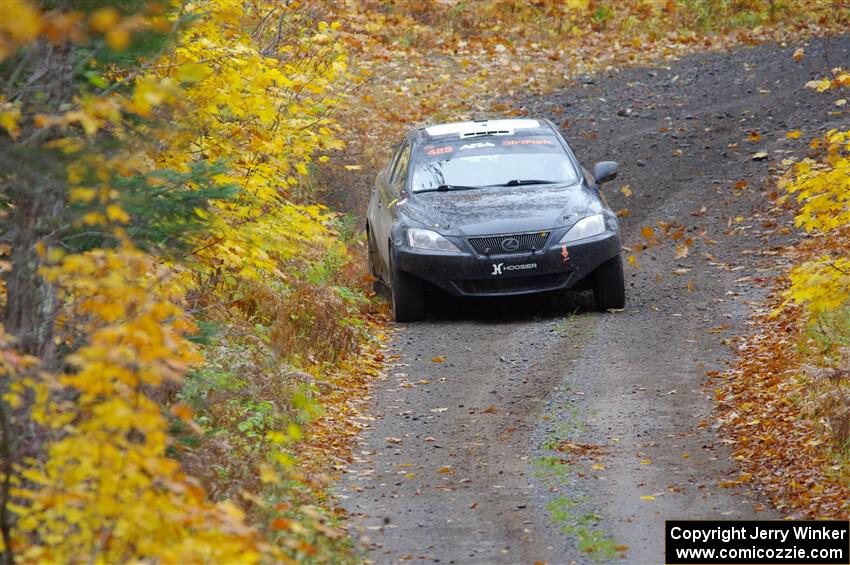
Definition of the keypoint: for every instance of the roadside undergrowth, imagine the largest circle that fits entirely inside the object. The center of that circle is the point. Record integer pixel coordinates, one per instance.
(181, 318)
(276, 404)
(785, 405)
(786, 416)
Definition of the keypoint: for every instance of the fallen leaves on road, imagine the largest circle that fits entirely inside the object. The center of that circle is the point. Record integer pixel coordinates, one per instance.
(575, 450)
(780, 448)
(744, 478)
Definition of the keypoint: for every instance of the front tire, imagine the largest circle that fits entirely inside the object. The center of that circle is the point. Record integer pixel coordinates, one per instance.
(609, 286)
(406, 296)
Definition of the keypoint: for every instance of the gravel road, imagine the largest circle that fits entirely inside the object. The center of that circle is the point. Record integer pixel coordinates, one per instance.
(457, 465)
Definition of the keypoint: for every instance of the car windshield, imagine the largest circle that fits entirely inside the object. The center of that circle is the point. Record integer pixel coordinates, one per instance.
(492, 161)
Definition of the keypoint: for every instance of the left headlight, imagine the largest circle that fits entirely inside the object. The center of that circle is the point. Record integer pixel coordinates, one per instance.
(584, 228)
(427, 239)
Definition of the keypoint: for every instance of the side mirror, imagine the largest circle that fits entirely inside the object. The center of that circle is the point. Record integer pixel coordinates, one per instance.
(605, 171)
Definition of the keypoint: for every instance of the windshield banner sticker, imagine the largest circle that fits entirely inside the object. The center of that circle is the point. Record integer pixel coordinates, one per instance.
(432, 151)
(480, 145)
(526, 142)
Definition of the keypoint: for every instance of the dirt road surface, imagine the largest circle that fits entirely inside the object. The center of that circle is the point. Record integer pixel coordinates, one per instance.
(457, 465)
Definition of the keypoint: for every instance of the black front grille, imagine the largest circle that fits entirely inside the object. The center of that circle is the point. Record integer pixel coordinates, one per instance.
(516, 284)
(509, 244)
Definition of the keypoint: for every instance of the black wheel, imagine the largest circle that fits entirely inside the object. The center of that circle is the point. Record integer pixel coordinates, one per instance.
(406, 296)
(609, 286)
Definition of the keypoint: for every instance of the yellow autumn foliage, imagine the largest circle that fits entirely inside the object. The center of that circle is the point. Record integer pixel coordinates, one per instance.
(822, 189)
(107, 492)
(233, 92)
(822, 285)
(20, 23)
(259, 104)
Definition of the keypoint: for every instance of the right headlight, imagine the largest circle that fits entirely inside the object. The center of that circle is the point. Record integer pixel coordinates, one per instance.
(427, 239)
(584, 228)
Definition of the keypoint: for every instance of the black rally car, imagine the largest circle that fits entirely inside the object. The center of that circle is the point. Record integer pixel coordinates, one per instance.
(492, 208)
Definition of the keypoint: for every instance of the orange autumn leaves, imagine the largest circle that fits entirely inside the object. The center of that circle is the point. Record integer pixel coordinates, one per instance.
(787, 457)
(652, 236)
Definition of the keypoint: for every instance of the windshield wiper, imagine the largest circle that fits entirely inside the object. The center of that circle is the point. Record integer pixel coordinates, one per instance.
(514, 182)
(519, 182)
(447, 187)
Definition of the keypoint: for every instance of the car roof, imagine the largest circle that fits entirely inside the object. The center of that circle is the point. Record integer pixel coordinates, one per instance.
(476, 128)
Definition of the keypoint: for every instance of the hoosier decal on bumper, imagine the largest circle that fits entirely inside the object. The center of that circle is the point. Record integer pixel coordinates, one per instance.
(500, 268)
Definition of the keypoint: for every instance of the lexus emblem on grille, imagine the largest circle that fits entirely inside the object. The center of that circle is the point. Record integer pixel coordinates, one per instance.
(510, 244)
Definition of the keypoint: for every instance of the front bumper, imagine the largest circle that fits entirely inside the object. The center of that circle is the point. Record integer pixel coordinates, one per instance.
(469, 274)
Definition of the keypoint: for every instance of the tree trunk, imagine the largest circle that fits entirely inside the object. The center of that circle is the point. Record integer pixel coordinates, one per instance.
(5, 487)
(32, 190)
(31, 304)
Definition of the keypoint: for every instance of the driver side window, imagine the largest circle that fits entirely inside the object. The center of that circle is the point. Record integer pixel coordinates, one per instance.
(399, 173)
(394, 160)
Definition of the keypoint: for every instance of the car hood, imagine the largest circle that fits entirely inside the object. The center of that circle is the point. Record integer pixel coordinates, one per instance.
(497, 210)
